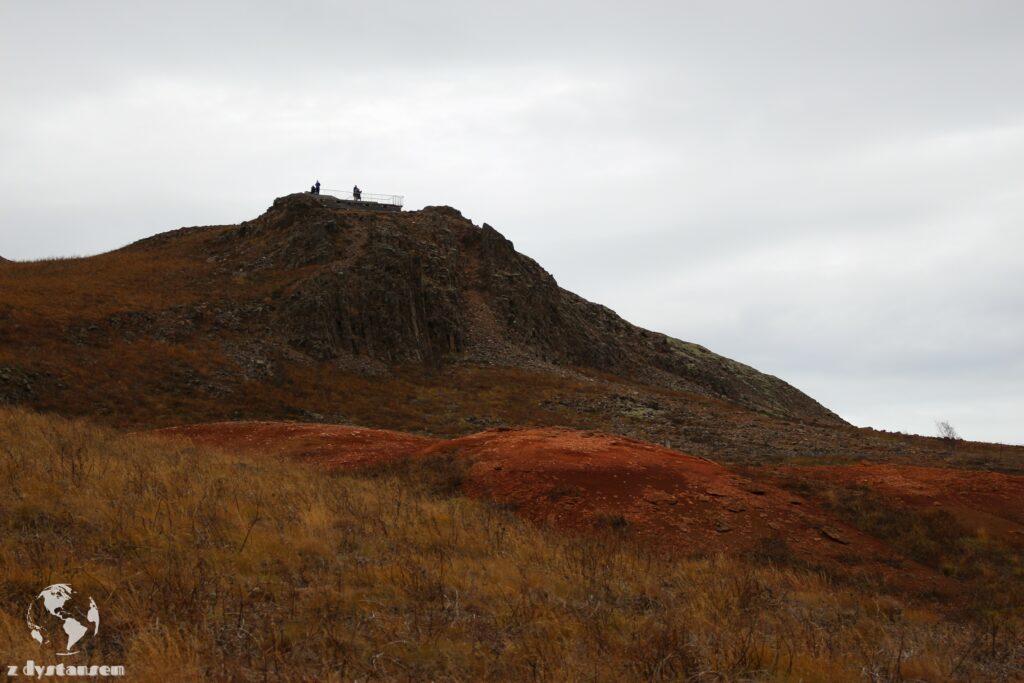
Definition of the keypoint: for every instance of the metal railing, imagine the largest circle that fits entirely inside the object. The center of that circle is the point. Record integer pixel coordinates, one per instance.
(392, 199)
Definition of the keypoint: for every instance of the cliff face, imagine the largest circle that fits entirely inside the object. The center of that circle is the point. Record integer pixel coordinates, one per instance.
(430, 287)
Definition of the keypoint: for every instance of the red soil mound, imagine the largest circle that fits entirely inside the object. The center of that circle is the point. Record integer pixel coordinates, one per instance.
(585, 481)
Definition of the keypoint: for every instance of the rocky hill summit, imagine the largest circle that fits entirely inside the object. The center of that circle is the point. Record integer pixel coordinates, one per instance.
(417, 321)
(371, 289)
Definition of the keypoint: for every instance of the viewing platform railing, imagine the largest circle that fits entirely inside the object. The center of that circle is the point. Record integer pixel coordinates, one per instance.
(391, 199)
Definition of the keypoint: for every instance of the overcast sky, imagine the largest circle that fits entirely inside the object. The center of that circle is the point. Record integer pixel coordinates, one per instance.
(832, 192)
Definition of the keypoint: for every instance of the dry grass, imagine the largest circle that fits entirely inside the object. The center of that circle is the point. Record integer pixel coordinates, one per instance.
(61, 289)
(207, 566)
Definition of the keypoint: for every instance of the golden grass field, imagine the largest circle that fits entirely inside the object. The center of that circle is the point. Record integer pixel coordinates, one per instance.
(213, 566)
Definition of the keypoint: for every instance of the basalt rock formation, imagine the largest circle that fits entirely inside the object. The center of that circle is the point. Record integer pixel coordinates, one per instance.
(431, 287)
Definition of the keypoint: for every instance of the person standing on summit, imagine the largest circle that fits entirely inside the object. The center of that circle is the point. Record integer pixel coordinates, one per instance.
(357, 194)
(317, 186)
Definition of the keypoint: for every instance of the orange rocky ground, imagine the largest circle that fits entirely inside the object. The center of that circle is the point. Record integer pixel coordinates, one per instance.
(585, 480)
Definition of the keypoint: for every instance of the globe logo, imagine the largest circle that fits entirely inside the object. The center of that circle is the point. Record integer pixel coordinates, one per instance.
(58, 617)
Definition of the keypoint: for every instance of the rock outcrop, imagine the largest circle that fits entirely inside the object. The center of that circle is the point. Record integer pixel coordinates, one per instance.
(431, 287)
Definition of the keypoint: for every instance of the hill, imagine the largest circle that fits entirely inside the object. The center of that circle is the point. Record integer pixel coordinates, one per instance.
(418, 321)
(678, 515)
(366, 291)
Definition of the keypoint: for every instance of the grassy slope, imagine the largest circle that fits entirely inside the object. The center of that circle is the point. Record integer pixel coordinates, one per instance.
(209, 566)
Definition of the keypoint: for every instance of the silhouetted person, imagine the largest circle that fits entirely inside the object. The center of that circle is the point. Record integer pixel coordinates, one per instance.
(312, 189)
(357, 193)
(317, 186)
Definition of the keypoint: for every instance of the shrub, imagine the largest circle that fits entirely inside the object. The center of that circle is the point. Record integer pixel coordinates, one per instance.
(946, 431)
